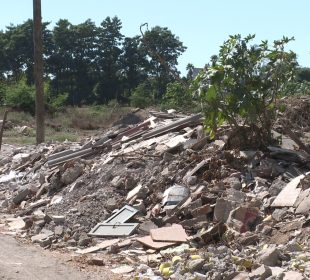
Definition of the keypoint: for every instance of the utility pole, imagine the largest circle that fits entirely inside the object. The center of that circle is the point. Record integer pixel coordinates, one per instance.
(38, 70)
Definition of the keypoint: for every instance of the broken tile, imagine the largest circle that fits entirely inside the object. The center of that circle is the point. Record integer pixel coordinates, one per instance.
(175, 233)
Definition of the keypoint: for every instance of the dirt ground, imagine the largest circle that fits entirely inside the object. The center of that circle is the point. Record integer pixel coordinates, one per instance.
(20, 261)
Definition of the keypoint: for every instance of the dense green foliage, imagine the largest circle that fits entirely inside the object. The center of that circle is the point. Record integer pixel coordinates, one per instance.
(91, 64)
(243, 83)
(179, 97)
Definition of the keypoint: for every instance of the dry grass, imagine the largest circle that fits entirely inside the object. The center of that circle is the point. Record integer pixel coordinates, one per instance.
(71, 125)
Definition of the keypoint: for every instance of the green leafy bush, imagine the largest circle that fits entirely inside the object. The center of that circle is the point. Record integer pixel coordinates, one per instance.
(20, 96)
(143, 95)
(178, 97)
(242, 84)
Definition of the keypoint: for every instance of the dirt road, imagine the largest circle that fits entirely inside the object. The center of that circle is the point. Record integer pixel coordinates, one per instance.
(27, 262)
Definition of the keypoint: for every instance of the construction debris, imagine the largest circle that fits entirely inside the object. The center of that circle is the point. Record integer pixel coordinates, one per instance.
(181, 206)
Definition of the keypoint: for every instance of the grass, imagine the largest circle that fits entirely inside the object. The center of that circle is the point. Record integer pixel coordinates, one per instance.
(72, 124)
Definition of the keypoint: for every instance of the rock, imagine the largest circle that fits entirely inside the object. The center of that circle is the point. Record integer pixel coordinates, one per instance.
(222, 209)
(248, 238)
(130, 183)
(191, 180)
(278, 214)
(21, 195)
(123, 269)
(241, 276)
(84, 240)
(38, 215)
(111, 204)
(58, 219)
(233, 182)
(17, 224)
(59, 230)
(260, 273)
(276, 186)
(96, 261)
(270, 257)
(135, 164)
(44, 238)
(303, 205)
(71, 242)
(293, 246)
(243, 218)
(117, 182)
(72, 173)
(195, 265)
(290, 275)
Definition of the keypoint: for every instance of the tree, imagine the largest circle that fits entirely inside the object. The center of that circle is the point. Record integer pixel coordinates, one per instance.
(38, 71)
(109, 42)
(133, 64)
(163, 49)
(16, 55)
(190, 71)
(244, 83)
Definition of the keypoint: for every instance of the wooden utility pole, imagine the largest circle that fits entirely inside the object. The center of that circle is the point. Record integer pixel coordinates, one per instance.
(38, 70)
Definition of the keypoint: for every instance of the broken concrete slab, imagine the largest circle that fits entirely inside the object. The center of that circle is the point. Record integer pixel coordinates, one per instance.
(290, 275)
(243, 218)
(100, 246)
(124, 269)
(156, 245)
(17, 224)
(270, 256)
(288, 196)
(260, 273)
(303, 202)
(21, 195)
(175, 233)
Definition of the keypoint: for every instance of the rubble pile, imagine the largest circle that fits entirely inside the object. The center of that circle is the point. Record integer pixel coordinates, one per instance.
(160, 200)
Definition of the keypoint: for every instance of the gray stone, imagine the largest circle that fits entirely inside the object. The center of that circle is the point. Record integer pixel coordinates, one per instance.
(191, 180)
(270, 257)
(84, 240)
(72, 173)
(111, 204)
(260, 273)
(233, 182)
(71, 242)
(277, 186)
(293, 275)
(195, 265)
(21, 195)
(278, 214)
(59, 230)
(303, 207)
(117, 182)
(222, 209)
(58, 219)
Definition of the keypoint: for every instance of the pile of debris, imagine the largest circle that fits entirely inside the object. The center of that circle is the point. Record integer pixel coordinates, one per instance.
(160, 200)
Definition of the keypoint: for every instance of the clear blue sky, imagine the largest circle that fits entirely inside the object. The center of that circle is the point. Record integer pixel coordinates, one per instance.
(202, 25)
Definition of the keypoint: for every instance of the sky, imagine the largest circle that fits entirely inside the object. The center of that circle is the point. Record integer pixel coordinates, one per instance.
(202, 25)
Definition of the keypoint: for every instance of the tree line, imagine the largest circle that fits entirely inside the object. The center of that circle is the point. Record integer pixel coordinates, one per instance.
(87, 64)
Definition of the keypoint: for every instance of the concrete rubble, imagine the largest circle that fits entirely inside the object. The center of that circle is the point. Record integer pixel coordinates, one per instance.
(160, 200)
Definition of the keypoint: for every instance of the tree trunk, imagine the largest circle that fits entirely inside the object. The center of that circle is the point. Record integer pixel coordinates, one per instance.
(2, 127)
(38, 70)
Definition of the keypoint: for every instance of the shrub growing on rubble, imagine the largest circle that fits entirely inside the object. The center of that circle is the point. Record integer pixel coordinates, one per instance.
(243, 82)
